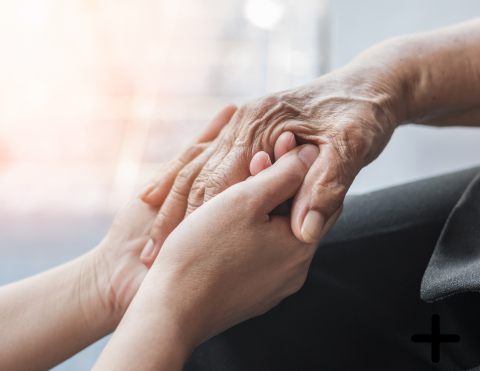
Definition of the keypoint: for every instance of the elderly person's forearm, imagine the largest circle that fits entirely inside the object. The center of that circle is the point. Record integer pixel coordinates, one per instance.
(438, 74)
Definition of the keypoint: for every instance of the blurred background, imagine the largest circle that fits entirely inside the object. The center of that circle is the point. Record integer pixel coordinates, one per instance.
(95, 94)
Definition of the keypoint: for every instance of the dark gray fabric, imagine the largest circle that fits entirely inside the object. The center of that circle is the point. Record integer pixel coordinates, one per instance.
(455, 263)
(361, 302)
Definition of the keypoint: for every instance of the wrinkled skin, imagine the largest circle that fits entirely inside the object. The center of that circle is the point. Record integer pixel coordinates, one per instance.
(430, 78)
(348, 118)
(350, 132)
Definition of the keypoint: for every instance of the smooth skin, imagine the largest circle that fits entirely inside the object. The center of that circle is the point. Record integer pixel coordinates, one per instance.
(227, 262)
(431, 78)
(47, 318)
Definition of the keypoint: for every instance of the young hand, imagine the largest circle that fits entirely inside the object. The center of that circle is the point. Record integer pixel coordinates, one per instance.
(117, 260)
(228, 261)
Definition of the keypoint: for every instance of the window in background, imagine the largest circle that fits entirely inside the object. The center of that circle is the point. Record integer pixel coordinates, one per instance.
(95, 94)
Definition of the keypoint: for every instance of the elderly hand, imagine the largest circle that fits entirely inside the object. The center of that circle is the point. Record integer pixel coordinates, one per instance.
(349, 114)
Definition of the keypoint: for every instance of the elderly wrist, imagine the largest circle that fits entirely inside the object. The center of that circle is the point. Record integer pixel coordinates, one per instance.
(396, 62)
(383, 86)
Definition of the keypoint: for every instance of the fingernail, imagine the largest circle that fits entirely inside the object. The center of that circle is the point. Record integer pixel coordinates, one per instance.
(312, 226)
(147, 250)
(146, 190)
(308, 155)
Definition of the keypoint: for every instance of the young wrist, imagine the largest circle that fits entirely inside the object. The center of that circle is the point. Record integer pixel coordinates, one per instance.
(98, 312)
(184, 312)
(151, 335)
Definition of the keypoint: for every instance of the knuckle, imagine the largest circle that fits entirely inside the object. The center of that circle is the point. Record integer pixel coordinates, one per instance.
(260, 120)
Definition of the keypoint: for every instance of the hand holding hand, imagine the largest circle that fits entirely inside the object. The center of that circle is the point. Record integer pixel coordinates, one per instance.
(228, 261)
(348, 115)
(117, 260)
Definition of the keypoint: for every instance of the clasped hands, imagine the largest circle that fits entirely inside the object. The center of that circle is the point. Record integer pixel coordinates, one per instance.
(234, 258)
(226, 234)
(350, 127)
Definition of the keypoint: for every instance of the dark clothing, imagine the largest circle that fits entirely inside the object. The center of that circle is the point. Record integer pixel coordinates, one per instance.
(361, 304)
(455, 264)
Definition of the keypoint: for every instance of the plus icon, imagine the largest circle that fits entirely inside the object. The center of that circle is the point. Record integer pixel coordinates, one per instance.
(435, 338)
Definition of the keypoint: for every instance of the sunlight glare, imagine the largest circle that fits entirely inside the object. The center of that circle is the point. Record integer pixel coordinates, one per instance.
(264, 13)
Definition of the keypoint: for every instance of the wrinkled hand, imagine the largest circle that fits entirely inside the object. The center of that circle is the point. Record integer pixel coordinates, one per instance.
(118, 267)
(232, 259)
(349, 114)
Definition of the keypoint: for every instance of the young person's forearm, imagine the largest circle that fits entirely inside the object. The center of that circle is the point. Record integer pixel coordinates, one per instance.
(437, 74)
(49, 317)
(149, 337)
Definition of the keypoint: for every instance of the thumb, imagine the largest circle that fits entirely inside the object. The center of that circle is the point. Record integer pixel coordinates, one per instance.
(320, 196)
(281, 181)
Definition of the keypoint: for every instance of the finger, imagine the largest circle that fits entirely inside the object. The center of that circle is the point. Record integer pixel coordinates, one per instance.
(204, 187)
(281, 181)
(197, 193)
(157, 189)
(285, 143)
(173, 209)
(234, 166)
(216, 124)
(321, 195)
(155, 192)
(260, 162)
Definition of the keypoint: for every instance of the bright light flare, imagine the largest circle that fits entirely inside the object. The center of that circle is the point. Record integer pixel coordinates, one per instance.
(264, 14)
